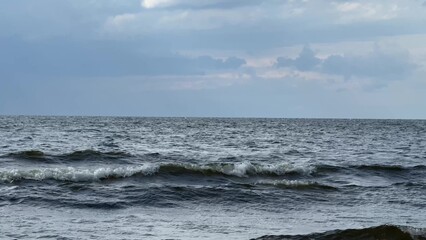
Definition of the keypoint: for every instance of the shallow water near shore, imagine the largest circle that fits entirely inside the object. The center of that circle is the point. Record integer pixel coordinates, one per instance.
(205, 178)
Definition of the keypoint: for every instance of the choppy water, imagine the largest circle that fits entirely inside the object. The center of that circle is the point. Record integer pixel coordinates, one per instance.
(177, 178)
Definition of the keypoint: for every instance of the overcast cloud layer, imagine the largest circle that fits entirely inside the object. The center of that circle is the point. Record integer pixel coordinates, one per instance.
(224, 58)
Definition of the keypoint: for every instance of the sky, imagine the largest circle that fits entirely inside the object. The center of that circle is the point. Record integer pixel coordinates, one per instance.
(214, 58)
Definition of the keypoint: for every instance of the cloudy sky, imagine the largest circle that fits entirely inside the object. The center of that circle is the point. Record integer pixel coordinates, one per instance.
(224, 58)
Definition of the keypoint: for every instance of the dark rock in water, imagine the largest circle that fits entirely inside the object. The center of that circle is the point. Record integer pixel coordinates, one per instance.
(385, 232)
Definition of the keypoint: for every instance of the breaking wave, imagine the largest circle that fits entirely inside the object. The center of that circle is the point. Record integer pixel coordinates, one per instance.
(244, 169)
(240, 169)
(72, 174)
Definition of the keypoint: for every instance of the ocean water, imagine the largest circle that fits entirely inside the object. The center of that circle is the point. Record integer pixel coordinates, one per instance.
(211, 178)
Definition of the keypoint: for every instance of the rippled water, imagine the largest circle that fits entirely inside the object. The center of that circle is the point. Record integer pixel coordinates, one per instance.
(178, 178)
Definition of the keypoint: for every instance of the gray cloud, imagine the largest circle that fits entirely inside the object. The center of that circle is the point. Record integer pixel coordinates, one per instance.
(60, 57)
(262, 24)
(76, 19)
(78, 56)
(305, 61)
(378, 64)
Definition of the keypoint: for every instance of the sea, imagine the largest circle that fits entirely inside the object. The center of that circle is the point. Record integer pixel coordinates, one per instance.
(211, 178)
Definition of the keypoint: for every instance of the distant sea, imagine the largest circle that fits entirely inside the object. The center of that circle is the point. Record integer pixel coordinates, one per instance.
(211, 178)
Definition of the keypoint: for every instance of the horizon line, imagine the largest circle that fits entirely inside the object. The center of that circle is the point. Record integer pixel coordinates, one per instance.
(207, 117)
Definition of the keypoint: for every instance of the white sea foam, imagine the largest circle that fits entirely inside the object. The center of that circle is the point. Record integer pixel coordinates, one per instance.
(75, 174)
(238, 169)
(244, 169)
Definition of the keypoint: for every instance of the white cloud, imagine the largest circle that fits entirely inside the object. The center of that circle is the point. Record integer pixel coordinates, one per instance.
(303, 21)
(348, 6)
(161, 20)
(149, 4)
(366, 11)
(120, 20)
(157, 3)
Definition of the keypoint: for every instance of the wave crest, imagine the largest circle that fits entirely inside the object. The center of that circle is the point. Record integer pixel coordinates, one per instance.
(370, 168)
(88, 154)
(243, 169)
(30, 154)
(295, 184)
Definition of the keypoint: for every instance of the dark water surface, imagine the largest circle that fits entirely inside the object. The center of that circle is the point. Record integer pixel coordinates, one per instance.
(177, 178)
